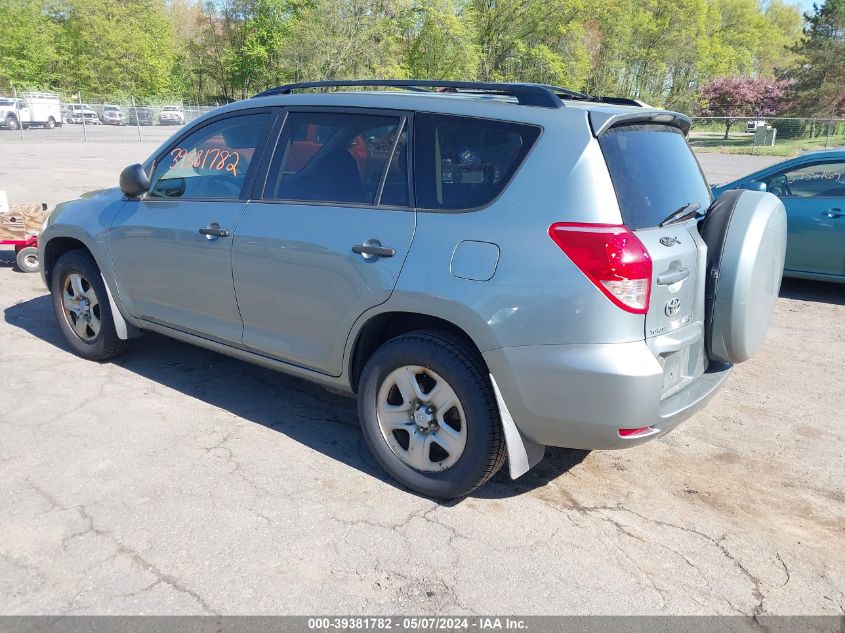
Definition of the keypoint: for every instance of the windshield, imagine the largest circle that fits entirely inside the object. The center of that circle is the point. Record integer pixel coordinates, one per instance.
(654, 173)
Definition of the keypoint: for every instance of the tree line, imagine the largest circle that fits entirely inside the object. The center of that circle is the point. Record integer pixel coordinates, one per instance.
(659, 51)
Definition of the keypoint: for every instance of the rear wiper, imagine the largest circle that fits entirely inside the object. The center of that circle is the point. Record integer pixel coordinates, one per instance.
(685, 212)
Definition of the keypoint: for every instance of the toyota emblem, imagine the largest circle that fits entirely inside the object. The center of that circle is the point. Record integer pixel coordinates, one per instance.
(669, 241)
(672, 306)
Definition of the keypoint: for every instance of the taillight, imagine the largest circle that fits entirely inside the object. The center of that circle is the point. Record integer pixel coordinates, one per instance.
(612, 257)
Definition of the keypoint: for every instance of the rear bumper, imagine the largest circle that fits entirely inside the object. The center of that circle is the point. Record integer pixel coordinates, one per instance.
(578, 396)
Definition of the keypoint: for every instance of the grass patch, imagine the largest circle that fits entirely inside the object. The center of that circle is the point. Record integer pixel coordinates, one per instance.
(708, 142)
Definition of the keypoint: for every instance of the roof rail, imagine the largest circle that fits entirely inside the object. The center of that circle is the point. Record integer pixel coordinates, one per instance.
(566, 93)
(525, 93)
(543, 95)
(623, 101)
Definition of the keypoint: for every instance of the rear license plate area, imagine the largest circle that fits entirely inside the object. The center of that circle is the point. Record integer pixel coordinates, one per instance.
(675, 369)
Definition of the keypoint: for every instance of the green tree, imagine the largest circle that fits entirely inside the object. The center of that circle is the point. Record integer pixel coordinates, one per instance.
(782, 31)
(527, 40)
(110, 48)
(819, 76)
(332, 39)
(437, 42)
(27, 52)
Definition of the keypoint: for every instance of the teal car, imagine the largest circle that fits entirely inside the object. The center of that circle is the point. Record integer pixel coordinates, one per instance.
(812, 188)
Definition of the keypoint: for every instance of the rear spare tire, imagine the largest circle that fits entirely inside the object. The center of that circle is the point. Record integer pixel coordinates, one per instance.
(745, 232)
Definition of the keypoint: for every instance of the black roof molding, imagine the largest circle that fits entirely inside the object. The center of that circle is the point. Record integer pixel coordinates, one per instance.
(525, 94)
(541, 95)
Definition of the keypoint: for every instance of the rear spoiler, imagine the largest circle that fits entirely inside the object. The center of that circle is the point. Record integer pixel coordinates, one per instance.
(602, 120)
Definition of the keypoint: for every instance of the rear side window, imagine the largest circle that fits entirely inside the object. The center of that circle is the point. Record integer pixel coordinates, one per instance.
(654, 173)
(463, 163)
(335, 157)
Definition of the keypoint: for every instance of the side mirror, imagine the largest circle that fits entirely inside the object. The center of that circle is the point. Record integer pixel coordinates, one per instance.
(134, 181)
(753, 185)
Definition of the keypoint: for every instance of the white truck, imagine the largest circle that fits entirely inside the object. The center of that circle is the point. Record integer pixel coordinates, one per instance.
(41, 109)
(45, 109)
(14, 113)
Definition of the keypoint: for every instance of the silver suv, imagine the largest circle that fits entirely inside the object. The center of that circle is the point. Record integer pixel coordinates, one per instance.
(491, 268)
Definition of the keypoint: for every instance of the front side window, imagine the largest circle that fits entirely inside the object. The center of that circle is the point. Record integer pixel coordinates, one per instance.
(336, 157)
(822, 180)
(212, 162)
(464, 163)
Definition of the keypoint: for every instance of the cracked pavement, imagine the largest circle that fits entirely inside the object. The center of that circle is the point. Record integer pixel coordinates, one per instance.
(178, 481)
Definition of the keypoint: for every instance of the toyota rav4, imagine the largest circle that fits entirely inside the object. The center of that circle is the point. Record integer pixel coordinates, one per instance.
(490, 268)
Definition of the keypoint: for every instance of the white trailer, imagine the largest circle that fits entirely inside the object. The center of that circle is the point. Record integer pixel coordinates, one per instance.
(45, 109)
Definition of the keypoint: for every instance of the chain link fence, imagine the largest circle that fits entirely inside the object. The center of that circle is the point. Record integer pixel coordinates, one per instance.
(776, 136)
(78, 117)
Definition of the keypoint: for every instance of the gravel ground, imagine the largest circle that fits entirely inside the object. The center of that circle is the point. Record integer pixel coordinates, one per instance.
(176, 480)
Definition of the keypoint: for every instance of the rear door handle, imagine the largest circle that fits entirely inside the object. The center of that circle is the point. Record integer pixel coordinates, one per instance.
(373, 248)
(214, 230)
(672, 277)
(833, 213)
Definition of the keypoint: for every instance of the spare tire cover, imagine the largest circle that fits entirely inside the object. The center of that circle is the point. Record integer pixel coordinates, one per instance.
(745, 232)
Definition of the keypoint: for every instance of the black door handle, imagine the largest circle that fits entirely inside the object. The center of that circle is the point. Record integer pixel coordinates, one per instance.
(373, 248)
(214, 230)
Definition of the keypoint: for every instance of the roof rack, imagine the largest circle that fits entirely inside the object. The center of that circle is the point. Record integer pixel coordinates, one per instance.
(543, 95)
(525, 94)
(566, 93)
(623, 101)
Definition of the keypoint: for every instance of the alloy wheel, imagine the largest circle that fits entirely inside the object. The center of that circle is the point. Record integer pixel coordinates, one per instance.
(81, 307)
(421, 419)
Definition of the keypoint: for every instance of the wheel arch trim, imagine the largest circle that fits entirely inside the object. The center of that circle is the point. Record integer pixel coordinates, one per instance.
(460, 317)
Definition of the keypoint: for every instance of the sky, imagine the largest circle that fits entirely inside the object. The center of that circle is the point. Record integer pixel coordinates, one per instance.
(806, 5)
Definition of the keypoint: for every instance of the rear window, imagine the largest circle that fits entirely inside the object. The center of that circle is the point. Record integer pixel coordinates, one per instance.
(463, 163)
(654, 173)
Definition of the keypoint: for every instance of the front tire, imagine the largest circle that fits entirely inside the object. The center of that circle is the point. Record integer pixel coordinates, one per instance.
(429, 414)
(11, 123)
(82, 309)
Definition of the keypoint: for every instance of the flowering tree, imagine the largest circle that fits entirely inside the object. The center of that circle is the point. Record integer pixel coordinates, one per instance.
(731, 98)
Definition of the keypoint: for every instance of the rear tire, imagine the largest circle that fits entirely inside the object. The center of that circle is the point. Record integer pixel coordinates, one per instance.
(27, 259)
(82, 309)
(51, 123)
(457, 443)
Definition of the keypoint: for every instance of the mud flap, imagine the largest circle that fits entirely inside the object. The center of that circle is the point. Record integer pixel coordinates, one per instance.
(124, 330)
(523, 454)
